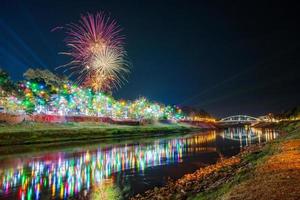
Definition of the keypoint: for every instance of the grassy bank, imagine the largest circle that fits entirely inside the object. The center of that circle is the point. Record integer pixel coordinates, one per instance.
(251, 173)
(35, 133)
(270, 171)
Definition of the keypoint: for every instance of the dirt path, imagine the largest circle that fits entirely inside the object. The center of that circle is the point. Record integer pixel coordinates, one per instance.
(276, 178)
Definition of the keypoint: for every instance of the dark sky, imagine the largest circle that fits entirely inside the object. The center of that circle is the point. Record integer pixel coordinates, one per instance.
(227, 57)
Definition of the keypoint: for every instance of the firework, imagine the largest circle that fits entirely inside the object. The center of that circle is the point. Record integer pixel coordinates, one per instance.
(98, 56)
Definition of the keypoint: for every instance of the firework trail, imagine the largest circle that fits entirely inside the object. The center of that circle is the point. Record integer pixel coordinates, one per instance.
(97, 52)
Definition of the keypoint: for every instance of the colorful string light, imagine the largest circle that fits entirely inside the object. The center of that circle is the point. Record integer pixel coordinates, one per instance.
(70, 100)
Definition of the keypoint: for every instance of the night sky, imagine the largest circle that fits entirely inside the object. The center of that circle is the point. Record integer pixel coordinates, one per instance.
(231, 57)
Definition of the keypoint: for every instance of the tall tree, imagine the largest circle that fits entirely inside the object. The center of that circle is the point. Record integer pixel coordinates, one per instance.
(6, 84)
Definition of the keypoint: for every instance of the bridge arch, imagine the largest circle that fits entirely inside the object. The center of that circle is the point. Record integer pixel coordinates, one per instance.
(239, 118)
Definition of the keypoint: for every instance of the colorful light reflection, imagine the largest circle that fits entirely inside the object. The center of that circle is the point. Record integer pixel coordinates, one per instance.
(65, 176)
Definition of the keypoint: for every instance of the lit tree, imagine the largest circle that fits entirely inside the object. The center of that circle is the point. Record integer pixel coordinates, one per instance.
(46, 77)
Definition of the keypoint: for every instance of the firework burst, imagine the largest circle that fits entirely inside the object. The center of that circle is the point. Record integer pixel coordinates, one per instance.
(98, 56)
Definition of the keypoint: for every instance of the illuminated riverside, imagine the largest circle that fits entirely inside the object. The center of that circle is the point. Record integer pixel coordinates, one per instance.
(61, 174)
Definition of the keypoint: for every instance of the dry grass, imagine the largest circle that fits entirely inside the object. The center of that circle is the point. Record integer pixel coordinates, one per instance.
(276, 178)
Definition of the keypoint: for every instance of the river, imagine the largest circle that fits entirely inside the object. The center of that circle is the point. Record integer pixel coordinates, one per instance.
(120, 169)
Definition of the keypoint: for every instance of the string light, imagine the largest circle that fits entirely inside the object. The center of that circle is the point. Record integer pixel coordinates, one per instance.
(71, 99)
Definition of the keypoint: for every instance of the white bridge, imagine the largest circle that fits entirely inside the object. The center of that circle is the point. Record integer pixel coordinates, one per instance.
(239, 119)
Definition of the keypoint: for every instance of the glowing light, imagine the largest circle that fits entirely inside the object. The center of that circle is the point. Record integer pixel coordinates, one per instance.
(72, 100)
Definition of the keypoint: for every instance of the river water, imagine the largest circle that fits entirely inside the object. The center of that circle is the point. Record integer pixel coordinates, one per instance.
(120, 169)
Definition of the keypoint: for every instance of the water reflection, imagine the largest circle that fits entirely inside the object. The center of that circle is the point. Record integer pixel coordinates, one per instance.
(247, 136)
(62, 175)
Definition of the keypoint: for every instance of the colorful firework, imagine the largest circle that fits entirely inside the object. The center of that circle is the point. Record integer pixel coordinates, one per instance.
(98, 56)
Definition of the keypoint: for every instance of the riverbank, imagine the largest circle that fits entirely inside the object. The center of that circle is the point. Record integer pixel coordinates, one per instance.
(37, 133)
(270, 171)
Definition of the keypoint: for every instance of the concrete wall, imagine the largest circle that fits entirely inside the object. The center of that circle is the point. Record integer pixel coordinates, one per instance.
(11, 119)
(15, 119)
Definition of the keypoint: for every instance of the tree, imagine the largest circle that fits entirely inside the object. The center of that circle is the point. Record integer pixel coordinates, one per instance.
(40, 86)
(45, 76)
(195, 112)
(6, 84)
(293, 113)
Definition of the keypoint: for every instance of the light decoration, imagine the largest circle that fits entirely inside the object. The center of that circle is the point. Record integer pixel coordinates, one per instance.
(73, 100)
(11, 104)
(65, 177)
(199, 118)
